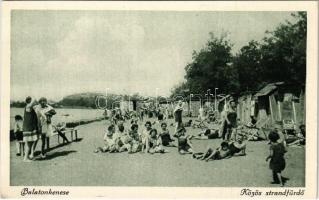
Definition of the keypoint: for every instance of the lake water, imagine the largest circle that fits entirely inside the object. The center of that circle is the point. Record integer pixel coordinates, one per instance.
(73, 115)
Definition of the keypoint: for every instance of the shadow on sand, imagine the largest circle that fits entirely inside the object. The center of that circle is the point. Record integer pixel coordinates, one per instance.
(78, 140)
(51, 156)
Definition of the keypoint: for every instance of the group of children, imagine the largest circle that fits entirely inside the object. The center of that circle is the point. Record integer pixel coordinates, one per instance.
(117, 138)
(150, 140)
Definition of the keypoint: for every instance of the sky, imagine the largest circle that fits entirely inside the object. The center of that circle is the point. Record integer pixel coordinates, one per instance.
(58, 53)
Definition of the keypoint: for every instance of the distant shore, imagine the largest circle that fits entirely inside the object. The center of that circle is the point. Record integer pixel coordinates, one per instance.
(64, 107)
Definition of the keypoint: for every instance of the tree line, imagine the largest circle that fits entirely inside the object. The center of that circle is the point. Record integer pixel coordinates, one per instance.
(279, 56)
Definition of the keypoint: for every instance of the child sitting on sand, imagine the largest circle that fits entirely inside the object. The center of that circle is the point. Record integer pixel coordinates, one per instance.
(135, 143)
(299, 138)
(166, 137)
(217, 154)
(184, 144)
(109, 141)
(188, 124)
(144, 137)
(155, 143)
(124, 142)
(237, 147)
(277, 161)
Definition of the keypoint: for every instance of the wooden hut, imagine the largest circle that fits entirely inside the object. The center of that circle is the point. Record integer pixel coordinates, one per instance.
(194, 106)
(280, 101)
(246, 107)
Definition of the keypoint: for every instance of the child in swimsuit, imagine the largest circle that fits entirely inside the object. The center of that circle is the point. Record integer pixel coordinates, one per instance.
(237, 147)
(166, 137)
(184, 144)
(277, 161)
(207, 134)
(18, 133)
(220, 153)
(155, 143)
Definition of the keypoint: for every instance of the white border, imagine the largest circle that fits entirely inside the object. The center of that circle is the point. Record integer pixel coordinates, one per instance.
(165, 192)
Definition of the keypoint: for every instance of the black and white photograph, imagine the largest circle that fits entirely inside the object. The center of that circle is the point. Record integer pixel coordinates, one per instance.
(158, 98)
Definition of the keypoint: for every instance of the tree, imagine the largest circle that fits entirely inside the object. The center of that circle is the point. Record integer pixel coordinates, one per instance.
(284, 52)
(210, 67)
(280, 56)
(247, 63)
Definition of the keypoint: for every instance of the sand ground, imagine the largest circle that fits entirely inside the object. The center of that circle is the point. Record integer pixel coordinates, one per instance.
(77, 165)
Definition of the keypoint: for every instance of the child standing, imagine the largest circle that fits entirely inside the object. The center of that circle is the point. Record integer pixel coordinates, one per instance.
(277, 161)
(18, 133)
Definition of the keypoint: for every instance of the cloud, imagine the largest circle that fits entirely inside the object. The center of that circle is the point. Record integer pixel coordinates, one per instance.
(58, 53)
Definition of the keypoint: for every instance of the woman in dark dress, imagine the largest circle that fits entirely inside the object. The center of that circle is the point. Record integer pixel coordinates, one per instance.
(277, 161)
(30, 129)
(178, 115)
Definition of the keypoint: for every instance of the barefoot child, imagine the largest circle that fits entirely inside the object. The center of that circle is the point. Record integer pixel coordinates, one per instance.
(166, 137)
(237, 147)
(277, 161)
(123, 139)
(126, 140)
(109, 141)
(155, 143)
(184, 143)
(136, 146)
(144, 137)
(207, 134)
(18, 133)
(220, 153)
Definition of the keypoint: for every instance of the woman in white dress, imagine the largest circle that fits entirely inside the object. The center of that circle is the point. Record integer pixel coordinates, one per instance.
(44, 113)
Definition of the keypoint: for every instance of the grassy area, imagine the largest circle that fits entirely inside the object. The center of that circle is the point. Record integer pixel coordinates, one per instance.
(77, 165)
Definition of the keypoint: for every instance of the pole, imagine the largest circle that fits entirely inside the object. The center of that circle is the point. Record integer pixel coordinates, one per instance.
(215, 100)
(190, 102)
(208, 94)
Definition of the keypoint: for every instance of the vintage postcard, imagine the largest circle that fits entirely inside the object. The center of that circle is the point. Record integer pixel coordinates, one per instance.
(159, 99)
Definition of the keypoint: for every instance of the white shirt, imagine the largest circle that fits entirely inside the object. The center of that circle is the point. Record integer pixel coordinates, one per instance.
(45, 126)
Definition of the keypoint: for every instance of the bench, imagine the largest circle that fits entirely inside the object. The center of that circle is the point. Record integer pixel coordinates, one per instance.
(73, 131)
(74, 137)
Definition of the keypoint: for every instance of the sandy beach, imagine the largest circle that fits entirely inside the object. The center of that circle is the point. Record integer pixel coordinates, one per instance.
(77, 165)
